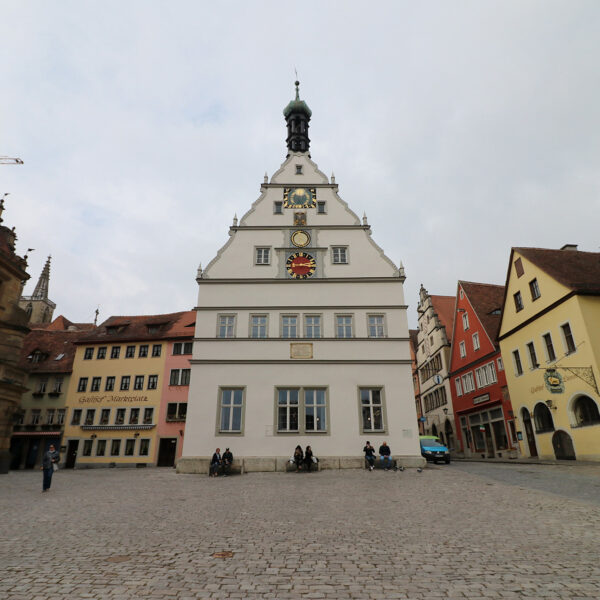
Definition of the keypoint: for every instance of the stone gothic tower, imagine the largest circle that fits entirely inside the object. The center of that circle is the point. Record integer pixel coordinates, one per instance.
(38, 307)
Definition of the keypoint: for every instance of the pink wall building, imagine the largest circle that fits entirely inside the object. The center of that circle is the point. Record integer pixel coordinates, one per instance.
(175, 388)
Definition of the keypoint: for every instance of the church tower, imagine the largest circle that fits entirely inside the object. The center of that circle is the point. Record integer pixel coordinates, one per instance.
(38, 307)
(301, 331)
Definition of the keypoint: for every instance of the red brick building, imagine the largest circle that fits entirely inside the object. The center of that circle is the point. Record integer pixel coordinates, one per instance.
(483, 413)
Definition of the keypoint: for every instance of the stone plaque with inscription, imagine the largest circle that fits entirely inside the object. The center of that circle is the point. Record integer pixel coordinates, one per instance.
(301, 350)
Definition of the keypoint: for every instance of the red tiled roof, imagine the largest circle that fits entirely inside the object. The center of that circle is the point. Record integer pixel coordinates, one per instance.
(61, 323)
(444, 308)
(486, 298)
(579, 271)
(52, 344)
(141, 328)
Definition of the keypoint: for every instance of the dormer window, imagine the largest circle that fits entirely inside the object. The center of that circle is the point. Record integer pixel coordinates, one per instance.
(38, 356)
(152, 329)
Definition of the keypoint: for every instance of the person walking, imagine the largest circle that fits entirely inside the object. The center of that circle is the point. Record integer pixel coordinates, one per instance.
(369, 455)
(49, 465)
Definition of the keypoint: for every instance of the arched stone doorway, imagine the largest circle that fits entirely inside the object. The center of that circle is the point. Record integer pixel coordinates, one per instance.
(526, 418)
(434, 430)
(563, 446)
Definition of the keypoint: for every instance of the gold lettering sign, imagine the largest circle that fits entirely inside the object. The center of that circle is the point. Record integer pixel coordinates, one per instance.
(111, 398)
(301, 351)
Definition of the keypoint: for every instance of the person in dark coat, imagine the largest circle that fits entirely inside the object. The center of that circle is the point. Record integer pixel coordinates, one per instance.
(308, 458)
(369, 455)
(215, 463)
(50, 458)
(227, 462)
(298, 457)
(385, 456)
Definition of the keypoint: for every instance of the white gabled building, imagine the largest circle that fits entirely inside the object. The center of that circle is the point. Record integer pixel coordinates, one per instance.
(301, 331)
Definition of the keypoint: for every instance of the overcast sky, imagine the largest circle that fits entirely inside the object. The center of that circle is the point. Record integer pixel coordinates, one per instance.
(460, 128)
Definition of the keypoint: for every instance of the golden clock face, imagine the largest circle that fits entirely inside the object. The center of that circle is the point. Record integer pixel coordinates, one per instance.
(300, 238)
(301, 265)
(299, 197)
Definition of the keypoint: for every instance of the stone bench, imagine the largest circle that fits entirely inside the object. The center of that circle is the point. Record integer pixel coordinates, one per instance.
(392, 464)
(291, 467)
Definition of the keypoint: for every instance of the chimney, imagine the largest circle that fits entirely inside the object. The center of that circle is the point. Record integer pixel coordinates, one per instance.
(569, 247)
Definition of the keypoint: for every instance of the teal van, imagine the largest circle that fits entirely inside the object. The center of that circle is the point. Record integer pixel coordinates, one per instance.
(433, 450)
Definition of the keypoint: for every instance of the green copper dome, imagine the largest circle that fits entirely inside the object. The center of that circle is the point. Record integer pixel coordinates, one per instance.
(297, 105)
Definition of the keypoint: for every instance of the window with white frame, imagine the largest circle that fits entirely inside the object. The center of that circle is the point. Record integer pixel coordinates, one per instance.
(82, 385)
(100, 447)
(225, 326)
(462, 349)
(458, 386)
(287, 409)
(95, 387)
(371, 407)
(486, 375)
(87, 447)
(144, 447)
(109, 385)
(130, 352)
(134, 416)
(534, 288)
(156, 348)
(115, 448)
(58, 383)
(138, 382)
(258, 326)
(518, 301)
(315, 405)
(376, 326)
(90, 415)
(152, 382)
(312, 326)
(129, 447)
(50, 416)
(533, 361)
(476, 341)
(550, 353)
(120, 416)
(339, 255)
(500, 364)
(36, 414)
(115, 351)
(465, 320)
(231, 402)
(148, 416)
(105, 416)
(343, 326)
(568, 339)
(125, 381)
(517, 363)
(263, 256)
(289, 326)
(60, 416)
(468, 383)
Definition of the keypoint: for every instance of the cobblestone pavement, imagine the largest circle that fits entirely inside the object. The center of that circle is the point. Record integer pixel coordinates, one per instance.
(443, 534)
(576, 481)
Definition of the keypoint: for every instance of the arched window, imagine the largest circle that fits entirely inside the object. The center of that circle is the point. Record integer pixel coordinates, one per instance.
(586, 411)
(543, 418)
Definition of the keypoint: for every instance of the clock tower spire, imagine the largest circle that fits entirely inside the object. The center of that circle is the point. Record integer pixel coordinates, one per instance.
(297, 115)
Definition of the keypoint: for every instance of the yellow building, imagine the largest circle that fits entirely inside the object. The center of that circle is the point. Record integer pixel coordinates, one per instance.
(550, 343)
(114, 395)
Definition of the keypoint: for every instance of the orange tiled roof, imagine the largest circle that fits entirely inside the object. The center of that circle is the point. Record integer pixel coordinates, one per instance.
(56, 350)
(142, 327)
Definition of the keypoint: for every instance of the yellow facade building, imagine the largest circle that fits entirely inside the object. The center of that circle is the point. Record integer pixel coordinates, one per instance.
(114, 396)
(550, 344)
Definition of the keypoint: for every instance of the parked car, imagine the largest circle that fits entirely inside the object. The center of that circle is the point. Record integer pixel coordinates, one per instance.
(433, 450)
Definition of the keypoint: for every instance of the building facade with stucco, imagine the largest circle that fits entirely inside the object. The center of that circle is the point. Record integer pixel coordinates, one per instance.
(301, 331)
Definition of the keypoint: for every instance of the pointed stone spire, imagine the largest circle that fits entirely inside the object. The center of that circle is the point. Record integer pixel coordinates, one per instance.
(297, 115)
(41, 289)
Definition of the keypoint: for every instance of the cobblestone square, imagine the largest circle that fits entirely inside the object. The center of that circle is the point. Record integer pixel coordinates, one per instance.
(449, 532)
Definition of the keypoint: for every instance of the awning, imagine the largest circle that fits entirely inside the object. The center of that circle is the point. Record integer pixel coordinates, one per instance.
(37, 433)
